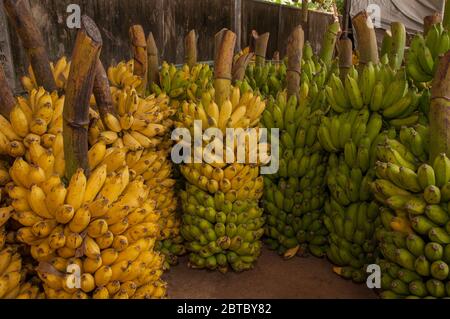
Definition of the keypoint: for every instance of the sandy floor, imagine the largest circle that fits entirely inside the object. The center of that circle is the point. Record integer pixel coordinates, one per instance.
(272, 277)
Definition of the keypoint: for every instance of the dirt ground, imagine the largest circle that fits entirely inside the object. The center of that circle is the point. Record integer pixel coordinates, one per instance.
(272, 278)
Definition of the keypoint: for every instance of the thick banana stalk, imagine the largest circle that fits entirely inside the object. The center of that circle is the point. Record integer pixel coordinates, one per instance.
(240, 66)
(345, 49)
(366, 38)
(430, 21)
(102, 92)
(439, 110)
(260, 41)
(223, 65)
(78, 94)
(296, 42)
(140, 55)
(446, 19)
(32, 40)
(329, 42)
(7, 100)
(190, 45)
(153, 60)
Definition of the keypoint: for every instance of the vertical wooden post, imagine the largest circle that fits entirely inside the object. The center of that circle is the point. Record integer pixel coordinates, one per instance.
(440, 110)
(237, 23)
(223, 65)
(296, 42)
(190, 48)
(366, 38)
(260, 42)
(32, 40)
(153, 60)
(305, 19)
(346, 18)
(139, 48)
(430, 21)
(7, 100)
(78, 93)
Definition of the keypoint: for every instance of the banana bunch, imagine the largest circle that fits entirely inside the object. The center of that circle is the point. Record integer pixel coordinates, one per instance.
(140, 123)
(240, 111)
(351, 132)
(379, 89)
(267, 79)
(60, 71)
(185, 83)
(121, 76)
(424, 52)
(352, 245)
(10, 271)
(105, 224)
(37, 118)
(221, 230)
(415, 238)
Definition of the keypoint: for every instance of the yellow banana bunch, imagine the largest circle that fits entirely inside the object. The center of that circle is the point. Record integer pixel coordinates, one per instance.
(241, 111)
(60, 71)
(122, 76)
(105, 223)
(10, 273)
(36, 120)
(140, 123)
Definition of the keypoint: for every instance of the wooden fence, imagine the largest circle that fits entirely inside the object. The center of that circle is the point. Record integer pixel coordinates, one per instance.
(169, 20)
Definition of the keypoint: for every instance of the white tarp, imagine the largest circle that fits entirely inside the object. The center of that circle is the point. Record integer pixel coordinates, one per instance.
(409, 12)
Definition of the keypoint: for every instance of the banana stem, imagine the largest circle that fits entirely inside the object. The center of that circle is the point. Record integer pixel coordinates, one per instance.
(79, 88)
(366, 38)
(190, 43)
(296, 42)
(329, 42)
(276, 57)
(240, 67)
(260, 42)
(430, 21)
(102, 92)
(398, 45)
(386, 45)
(223, 66)
(32, 40)
(140, 57)
(153, 60)
(7, 100)
(345, 49)
(440, 110)
(446, 20)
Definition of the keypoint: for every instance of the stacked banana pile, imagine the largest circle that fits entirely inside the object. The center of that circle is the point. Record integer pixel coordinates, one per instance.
(415, 240)
(424, 53)
(121, 76)
(268, 79)
(185, 83)
(294, 197)
(360, 103)
(222, 222)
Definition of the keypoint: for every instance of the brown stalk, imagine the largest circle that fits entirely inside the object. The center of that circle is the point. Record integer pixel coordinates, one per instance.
(366, 37)
(140, 57)
(79, 88)
(223, 66)
(7, 100)
(153, 60)
(430, 21)
(296, 42)
(190, 44)
(32, 40)
(102, 92)
(240, 67)
(345, 50)
(260, 42)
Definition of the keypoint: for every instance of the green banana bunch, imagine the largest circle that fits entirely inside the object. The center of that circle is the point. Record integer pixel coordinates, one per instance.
(415, 237)
(352, 245)
(268, 79)
(185, 83)
(171, 248)
(295, 195)
(378, 88)
(220, 232)
(424, 53)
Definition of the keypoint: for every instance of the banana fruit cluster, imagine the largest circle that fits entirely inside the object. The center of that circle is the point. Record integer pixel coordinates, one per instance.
(10, 272)
(240, 111)
(221, 231)
(35, 119)
(60, 70)
(424, 52)
(295, 195)
(415, 238)
(268, 79)
(379, 89)
(121, 76)
(185, 83)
